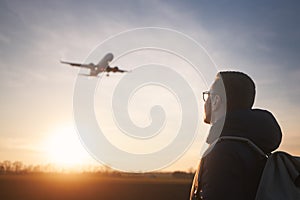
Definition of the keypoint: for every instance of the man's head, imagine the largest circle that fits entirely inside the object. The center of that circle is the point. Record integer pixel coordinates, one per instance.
(230, 91)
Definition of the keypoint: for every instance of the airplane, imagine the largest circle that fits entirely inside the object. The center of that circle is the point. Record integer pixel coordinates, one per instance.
(102, 66)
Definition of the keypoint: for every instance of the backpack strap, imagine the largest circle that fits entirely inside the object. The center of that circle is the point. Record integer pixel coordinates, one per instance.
(244, 140)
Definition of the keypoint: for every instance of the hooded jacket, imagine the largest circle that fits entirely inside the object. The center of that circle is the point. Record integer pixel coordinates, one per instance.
(231, 169)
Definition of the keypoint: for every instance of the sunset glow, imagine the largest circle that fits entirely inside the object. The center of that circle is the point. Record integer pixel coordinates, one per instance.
(37, 91)
(64, 148)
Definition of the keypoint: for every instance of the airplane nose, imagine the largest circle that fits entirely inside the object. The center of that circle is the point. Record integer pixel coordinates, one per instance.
(109, 56)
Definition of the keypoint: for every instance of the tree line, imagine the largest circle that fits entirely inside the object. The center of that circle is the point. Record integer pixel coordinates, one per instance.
(17, 167)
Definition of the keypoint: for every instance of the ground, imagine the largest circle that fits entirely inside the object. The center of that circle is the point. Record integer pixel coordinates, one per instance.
(92, 186)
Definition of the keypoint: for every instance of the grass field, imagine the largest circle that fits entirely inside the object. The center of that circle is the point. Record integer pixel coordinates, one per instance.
(67, 186)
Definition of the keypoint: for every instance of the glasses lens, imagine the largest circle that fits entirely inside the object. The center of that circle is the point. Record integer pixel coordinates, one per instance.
(205, 95)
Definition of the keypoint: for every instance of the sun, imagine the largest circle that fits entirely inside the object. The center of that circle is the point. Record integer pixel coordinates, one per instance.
(64, 148)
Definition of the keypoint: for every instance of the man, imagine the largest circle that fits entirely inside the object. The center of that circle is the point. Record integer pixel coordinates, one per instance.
(231, 169)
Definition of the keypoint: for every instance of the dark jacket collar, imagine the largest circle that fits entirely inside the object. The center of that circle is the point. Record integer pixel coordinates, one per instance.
(257, 125)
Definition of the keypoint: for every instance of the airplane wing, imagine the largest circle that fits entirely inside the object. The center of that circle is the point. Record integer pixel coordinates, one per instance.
(89, 66)
(121, 70)
(115, 69)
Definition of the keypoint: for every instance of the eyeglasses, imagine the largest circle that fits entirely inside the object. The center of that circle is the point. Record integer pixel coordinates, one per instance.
(205, 95)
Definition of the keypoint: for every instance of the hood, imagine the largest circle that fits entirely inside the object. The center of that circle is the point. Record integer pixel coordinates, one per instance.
(257, 125)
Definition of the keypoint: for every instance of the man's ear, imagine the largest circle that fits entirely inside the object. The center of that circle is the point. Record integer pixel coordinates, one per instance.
(216, 102)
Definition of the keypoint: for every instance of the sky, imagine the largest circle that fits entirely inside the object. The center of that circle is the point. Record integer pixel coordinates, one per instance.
(260, 38)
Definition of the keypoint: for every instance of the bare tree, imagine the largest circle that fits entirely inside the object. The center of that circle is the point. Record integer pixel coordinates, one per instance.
(17, 166)
(7, 166)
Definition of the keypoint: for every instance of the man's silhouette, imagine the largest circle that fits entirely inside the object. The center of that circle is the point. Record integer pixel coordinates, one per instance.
(232, 169)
